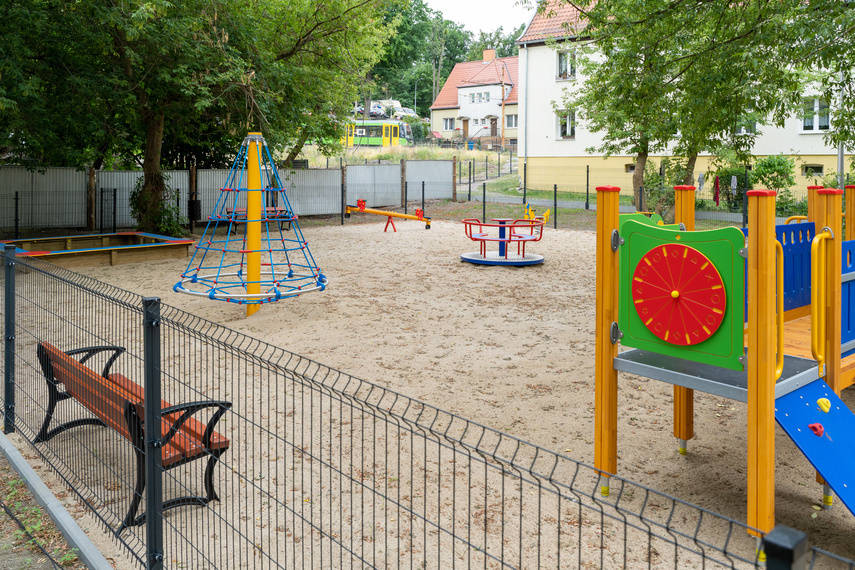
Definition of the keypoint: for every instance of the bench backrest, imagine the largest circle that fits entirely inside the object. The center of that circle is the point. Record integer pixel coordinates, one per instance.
(106, 398)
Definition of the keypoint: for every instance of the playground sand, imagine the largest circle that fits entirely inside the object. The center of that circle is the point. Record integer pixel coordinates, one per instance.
(509, 348)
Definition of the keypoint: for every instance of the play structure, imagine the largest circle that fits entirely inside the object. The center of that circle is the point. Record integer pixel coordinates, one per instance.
(760, 316)
(102, 249)
(506, 233)
(268, 258)
(360, 207)
(531, 214)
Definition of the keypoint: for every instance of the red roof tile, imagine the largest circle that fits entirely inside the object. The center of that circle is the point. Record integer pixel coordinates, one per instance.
(472, 73)
(557, 20)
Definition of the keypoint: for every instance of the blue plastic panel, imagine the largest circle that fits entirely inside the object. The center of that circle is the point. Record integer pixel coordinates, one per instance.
(832, 452)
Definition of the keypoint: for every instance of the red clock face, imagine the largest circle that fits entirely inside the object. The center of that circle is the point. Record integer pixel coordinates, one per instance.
(678, 294)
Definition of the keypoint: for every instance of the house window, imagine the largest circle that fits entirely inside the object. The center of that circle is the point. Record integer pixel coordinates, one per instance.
(511, 121)
(480, 97)
(629, 168)
(810, 170)
(566, 124)
(816, 116)
(471, 97)
(487, 96)
(448, 124)
(745, 126)
(566, 65)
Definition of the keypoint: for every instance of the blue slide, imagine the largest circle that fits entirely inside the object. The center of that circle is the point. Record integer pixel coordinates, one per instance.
(831, 447)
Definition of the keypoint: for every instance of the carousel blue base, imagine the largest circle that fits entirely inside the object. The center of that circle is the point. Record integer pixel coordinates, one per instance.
(493, 258)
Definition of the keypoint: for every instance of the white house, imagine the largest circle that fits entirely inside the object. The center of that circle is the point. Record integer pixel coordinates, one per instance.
(479, 101)
(552, 142)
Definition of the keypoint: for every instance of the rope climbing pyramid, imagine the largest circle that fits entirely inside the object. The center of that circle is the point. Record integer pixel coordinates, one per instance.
(252, 251)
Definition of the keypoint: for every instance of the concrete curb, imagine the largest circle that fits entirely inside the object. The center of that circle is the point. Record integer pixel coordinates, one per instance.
(77, 539)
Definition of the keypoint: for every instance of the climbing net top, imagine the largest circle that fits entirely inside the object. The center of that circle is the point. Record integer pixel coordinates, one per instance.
(252, 250)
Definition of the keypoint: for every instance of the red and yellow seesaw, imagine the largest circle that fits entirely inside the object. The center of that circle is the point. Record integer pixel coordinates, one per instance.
(360, 207)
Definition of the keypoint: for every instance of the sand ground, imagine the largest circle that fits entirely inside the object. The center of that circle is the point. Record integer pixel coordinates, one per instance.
(511, 348)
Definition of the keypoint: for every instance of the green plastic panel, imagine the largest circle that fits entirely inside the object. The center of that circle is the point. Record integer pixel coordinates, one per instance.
(652, 220)
(721, 247)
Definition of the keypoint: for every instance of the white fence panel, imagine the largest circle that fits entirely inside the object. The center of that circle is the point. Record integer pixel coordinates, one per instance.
(124, 182)
(437, 175)
(313, 192)
(52, 198)
(378, 184)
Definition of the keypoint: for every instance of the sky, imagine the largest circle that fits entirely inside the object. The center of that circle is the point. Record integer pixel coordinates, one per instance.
(486, 15)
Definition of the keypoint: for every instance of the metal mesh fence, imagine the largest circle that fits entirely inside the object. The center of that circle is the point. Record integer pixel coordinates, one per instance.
(307, 466)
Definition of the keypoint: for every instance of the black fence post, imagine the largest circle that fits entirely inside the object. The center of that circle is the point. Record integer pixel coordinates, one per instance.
(153, 438)
(555, 206)
(17, 212)
(9, 336)
(470, 181)
(588, 187)
(785, 548)
(525, 173)
(343, 202)
(484, 201)
(115, 208)
(423, 195)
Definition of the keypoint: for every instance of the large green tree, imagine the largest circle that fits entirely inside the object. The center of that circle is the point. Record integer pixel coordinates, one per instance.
(86, 78)
(504, 44)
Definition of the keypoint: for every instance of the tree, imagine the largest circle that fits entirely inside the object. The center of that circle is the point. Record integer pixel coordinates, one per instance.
(148, 70)
(717, 64)
(505, 45)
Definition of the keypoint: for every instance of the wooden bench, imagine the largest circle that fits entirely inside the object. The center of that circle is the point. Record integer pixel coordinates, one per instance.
(275, 214)
(518, 232)
(117, 402)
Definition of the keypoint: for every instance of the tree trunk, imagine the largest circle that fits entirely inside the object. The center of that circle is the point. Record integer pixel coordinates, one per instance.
(638, 175)
(690, 169)
(150, 200)
(297, 148)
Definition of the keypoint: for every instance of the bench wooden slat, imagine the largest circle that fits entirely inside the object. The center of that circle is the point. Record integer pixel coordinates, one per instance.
(108, 399)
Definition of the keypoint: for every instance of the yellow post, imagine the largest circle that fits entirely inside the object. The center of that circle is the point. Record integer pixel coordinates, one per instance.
(829, 202)
(762, 349)
(850, 211)
(829, 206)
(684, 398)
(608, 274)
(253, 218)
(812, 207)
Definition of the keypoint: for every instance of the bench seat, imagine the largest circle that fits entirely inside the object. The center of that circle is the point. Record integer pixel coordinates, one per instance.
(118, 402)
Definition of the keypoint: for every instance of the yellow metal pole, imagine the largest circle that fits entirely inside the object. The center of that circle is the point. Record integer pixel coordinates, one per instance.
(850, 211)
(812, 207)
(253, 219)
(762, 348)
(605, 406)
(684, 398)
(829, 203)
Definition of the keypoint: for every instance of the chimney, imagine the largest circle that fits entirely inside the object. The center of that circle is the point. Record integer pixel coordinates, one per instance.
(489, 55)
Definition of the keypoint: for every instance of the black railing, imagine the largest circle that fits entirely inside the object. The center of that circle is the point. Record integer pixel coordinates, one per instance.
(308, 466)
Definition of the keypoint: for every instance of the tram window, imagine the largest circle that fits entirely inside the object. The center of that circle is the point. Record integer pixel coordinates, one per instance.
(395, 131)
(375, 131)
